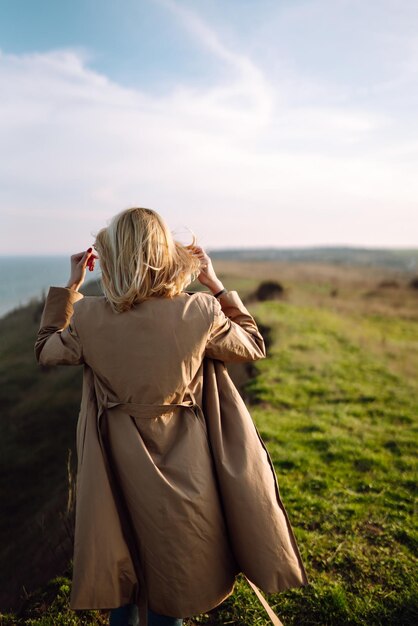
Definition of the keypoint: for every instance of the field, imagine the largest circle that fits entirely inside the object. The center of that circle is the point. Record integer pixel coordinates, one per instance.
(336, 402)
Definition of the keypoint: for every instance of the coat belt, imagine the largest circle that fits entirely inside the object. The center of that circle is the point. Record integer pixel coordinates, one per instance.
(147, 411)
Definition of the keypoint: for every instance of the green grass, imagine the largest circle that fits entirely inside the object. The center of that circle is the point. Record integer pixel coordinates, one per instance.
(340, 425)
(48, 606)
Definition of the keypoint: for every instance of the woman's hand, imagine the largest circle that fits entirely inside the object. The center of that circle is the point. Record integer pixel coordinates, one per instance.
(207, 275)
(79, 263)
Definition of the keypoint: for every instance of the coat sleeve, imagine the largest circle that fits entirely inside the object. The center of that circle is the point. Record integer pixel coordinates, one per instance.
(234, 335)
(58, 342)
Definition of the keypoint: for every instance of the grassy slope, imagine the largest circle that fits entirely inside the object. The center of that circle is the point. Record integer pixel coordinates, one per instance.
(38, 416)
(39, 409)
(340, 424)
(336, 403)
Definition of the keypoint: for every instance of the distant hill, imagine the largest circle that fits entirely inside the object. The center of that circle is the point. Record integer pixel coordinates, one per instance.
(402, 259)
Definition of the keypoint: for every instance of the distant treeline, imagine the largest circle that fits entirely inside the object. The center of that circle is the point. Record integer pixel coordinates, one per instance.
(395, 258)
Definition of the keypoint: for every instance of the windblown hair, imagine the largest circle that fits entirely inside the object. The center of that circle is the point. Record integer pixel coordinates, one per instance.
(140, 259)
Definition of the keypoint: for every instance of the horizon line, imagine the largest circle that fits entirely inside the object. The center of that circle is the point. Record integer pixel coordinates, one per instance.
(248, 248)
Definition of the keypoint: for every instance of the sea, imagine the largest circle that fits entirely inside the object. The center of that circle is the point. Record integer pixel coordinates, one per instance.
(24, 278)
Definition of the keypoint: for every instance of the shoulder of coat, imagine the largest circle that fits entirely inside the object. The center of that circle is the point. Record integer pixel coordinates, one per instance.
(87, 302)
(203, 296)
(204, 300)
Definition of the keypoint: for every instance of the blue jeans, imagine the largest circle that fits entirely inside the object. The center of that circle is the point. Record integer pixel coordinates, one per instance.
(127, 615)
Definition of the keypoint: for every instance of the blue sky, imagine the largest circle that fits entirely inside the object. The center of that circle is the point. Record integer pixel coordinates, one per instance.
(252, 123)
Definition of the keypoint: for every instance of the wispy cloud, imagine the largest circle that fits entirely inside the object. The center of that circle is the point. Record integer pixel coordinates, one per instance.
(235, 160)
(248, 85)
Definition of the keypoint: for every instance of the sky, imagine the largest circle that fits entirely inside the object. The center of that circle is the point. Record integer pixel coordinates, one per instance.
(251, 123)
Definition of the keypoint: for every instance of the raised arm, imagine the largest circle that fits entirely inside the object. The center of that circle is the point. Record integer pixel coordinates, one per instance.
(57, 342)
(233, 335)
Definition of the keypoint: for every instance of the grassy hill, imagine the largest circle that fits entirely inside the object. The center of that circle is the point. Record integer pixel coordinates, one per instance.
(38, 416)
(336, 403)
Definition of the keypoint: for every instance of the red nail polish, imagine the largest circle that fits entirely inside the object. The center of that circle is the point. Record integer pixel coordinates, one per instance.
(90, 249)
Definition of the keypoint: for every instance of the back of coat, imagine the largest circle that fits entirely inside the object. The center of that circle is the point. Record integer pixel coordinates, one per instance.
(153, 353)
(150, 515)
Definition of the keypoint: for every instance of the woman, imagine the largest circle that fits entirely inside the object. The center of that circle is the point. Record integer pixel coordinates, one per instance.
(175, 492)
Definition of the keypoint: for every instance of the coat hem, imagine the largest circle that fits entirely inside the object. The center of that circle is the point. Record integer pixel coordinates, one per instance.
(190, 612)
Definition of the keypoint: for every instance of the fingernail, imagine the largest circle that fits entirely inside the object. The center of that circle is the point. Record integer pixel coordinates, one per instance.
(90, 249)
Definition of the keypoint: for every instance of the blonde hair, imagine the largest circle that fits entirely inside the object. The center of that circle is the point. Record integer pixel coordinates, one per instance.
(140, 259)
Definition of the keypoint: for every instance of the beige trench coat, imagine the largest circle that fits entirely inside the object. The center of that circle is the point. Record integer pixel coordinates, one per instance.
(176, 493)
